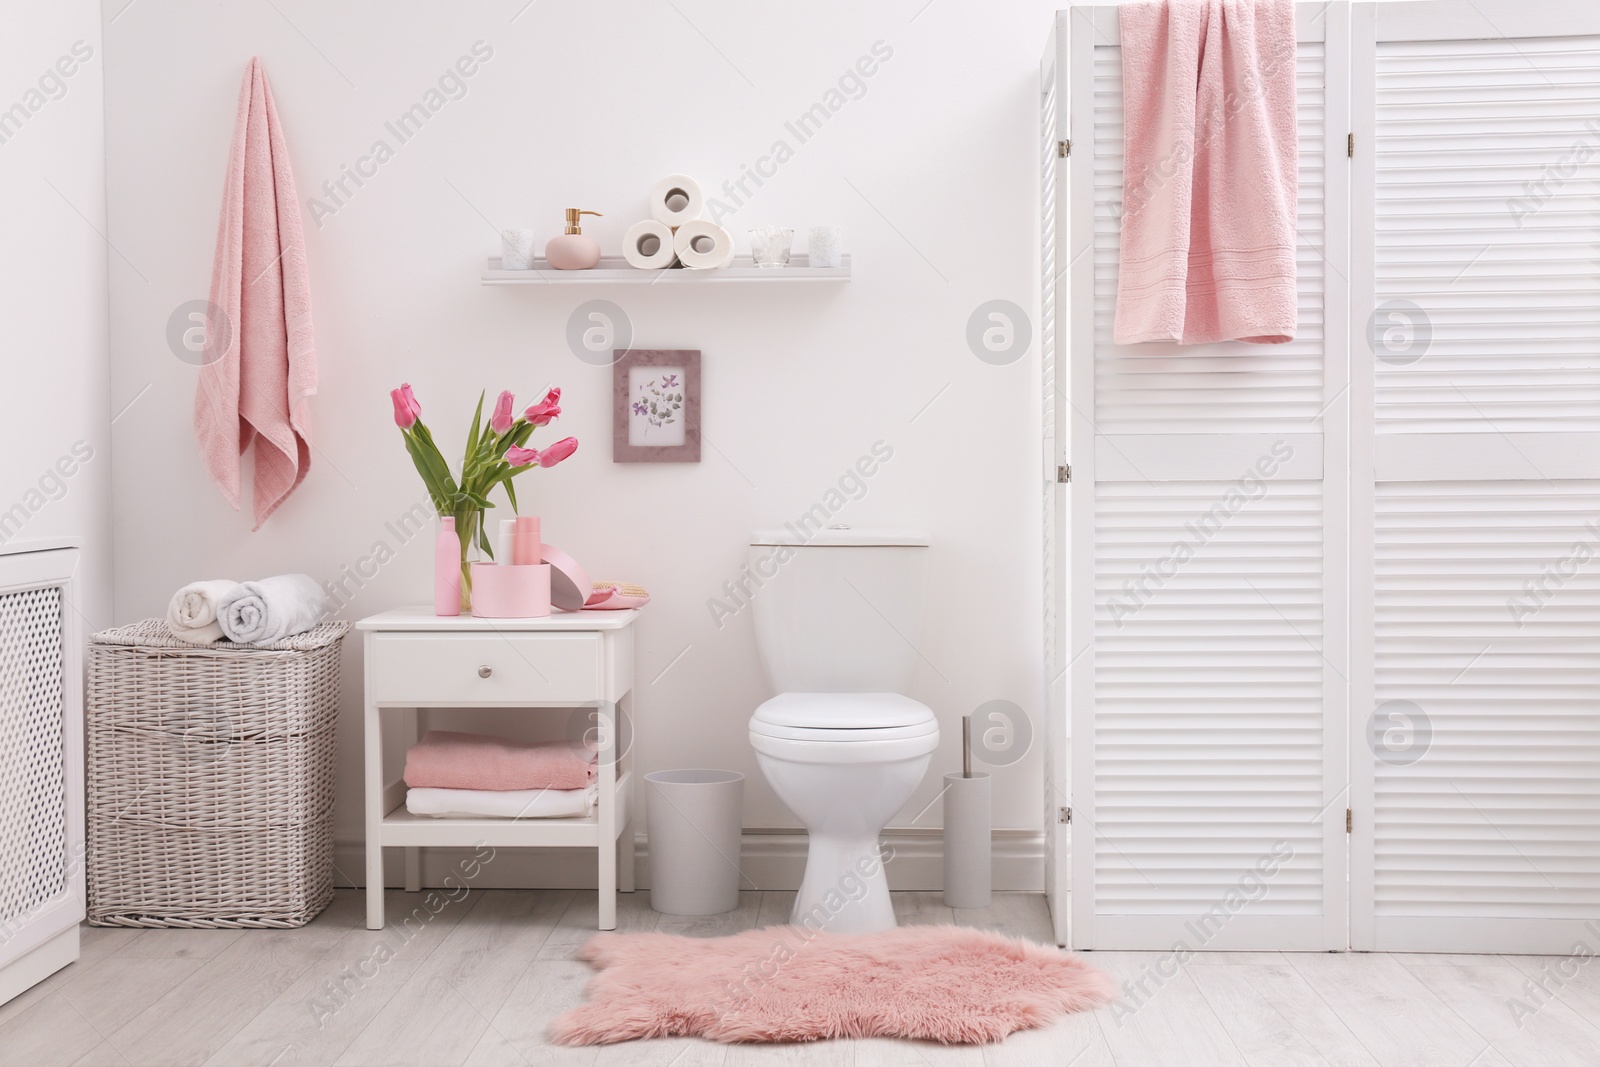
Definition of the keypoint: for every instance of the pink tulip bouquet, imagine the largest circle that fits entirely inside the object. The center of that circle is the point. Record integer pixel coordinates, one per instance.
(496, 453)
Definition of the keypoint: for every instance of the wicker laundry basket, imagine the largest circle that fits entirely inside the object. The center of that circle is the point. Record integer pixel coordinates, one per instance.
(210, 778)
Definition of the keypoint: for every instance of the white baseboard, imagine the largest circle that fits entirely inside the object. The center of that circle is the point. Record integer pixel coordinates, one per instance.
(769, 859)
(38, 963)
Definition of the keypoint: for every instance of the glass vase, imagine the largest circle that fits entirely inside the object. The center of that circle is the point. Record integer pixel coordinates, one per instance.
(469, 528)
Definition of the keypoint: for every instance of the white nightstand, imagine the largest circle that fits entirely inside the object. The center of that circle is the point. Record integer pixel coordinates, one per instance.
(416, 659)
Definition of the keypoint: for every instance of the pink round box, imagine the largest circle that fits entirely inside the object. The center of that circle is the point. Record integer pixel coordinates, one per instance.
(510, 592)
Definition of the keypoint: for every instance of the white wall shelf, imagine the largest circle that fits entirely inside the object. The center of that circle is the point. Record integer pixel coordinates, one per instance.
(615, 270)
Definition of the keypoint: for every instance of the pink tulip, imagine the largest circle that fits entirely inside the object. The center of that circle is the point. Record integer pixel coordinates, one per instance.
(501, 420)
(522, 457)
(545, 410)
(558, 452)
(406, 408)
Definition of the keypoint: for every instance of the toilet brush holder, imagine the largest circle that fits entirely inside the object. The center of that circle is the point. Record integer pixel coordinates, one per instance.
(966, 841)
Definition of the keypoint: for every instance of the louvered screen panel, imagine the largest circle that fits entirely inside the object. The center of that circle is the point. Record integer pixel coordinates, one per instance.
(1211, 742)
(1048, 279)
(1488, 225)
(33, 820)
(1478, 797)
(1220, 388)
(1052, 535)
(1487, 730)
(1208, 694)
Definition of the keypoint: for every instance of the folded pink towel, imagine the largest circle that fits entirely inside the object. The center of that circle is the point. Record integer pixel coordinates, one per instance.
(1211, 172)
(261, 360)
(446, 760)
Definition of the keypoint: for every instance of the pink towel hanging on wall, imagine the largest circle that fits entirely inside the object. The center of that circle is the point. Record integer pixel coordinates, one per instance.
(261, 360)
(1211, 176)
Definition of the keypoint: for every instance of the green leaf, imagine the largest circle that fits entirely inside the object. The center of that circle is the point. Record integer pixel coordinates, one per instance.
(440, 490)
(511, 494)
(478, 442)
(430, 454)
(472, 436)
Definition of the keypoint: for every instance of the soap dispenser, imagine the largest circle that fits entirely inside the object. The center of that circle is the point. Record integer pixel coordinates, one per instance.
(572, 250)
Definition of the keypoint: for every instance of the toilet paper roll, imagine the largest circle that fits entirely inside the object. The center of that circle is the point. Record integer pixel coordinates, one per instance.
(648, 245)
(676, 199)
(702, 244)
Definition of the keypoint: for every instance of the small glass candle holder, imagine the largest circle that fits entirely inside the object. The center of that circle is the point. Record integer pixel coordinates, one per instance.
(516, 249)
(824, 246)
(769, 245)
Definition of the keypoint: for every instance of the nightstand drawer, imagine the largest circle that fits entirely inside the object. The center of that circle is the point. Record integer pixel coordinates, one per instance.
(479, 668)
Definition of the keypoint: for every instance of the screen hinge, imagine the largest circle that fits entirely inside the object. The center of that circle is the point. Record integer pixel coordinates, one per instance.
(1349, 820)
(1064, 473)
(1063, 149)
(1063, 815)
(1350, 146)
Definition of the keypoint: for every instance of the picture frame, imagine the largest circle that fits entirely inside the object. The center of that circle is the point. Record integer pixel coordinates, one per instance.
(655, 405)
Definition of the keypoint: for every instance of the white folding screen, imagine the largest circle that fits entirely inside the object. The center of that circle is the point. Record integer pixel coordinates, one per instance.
(1051, 147)
(1208, 585)
(1399, 614)
(1476, 730)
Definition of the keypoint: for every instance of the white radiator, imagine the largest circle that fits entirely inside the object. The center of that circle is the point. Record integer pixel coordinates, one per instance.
(41, 766)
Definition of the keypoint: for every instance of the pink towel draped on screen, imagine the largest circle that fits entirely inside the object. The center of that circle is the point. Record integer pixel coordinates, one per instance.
(1211, 172)
(260, 359)
(446, 760)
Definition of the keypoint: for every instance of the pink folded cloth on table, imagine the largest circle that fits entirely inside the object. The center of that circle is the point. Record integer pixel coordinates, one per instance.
(446, 760)
(1211, 172)
(260, 368)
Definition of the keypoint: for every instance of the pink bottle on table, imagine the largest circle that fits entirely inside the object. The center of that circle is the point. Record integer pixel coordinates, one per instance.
(447, 568)
(525, 541)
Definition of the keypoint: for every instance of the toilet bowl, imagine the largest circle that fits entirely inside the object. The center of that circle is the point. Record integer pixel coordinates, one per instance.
(836, 614)
(844, 783)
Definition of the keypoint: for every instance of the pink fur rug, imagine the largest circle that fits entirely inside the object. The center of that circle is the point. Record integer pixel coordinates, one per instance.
(789, 983)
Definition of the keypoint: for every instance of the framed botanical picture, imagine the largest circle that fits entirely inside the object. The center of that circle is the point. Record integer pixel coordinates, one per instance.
(655, 412)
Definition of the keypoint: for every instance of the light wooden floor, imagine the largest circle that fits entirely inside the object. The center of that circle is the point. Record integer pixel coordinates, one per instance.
(476, 983)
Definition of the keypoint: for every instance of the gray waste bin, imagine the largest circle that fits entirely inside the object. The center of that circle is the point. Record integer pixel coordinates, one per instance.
(695, 818)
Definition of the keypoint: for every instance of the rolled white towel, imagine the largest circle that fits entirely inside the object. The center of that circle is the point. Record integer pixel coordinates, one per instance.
(192, 611)
(255, 613)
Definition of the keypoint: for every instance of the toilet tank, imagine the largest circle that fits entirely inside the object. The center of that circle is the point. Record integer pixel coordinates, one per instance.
(837, 610)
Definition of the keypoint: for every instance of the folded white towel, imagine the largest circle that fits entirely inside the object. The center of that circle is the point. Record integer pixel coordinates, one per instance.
(192, 612)
(501, 803)
(272, 609)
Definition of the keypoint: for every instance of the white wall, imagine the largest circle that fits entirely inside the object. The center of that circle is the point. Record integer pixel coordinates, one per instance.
(931, 173)
(55, 454)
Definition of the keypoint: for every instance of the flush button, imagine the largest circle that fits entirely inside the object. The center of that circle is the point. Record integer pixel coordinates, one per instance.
(485, 670)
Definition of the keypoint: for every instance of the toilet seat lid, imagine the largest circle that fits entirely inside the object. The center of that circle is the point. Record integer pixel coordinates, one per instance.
(894, 712)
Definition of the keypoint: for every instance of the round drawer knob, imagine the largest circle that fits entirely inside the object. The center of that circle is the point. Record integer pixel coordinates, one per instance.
(485, 670)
